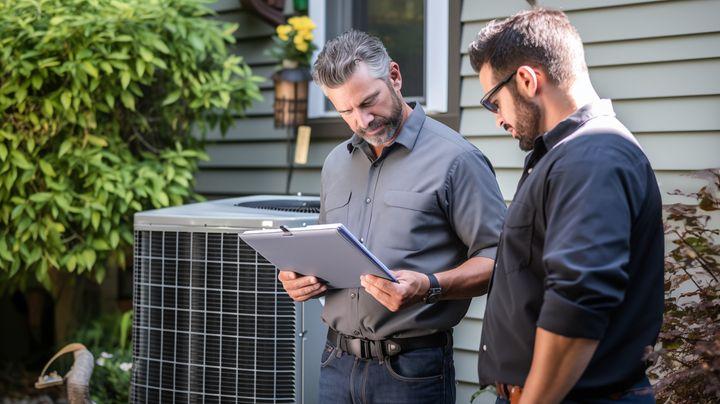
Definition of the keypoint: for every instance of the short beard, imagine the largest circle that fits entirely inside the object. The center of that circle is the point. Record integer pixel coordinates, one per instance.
(391, 124)
(527, 127)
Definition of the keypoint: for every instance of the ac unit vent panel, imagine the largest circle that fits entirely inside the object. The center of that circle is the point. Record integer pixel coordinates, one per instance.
(212, 322)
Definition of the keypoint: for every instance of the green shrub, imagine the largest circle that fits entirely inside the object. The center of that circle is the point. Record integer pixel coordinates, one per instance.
(99, 99)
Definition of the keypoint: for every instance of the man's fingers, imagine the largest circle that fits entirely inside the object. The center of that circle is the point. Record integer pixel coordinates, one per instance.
(292, 280)
(308, 290)
(380, 295)
(380, 283)
(306, 293)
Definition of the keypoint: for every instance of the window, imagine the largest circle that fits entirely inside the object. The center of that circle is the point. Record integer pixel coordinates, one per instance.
(415, 33)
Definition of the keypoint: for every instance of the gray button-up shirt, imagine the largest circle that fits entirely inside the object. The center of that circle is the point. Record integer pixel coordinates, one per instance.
(428, 203)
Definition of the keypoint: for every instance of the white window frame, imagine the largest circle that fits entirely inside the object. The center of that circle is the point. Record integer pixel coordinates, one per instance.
(437, 35)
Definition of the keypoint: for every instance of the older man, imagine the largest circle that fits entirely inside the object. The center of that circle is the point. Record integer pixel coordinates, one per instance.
(426, 202)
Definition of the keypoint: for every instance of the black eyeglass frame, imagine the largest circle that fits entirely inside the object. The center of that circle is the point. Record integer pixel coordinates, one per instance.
(485, 101)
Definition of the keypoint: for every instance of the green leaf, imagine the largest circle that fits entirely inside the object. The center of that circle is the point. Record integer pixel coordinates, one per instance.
(171, 98)
(64, 147)
(95, 220)
(162, 197)
(114, 238)
(41, 197)
(97, 141)
(140, 67)
(3, 152)
(160, 45)
(124, 79)
(47, 108)
(89, 257)
(71, 263)
(57, 20)
(145, 54)
(90, 69)
(46, 168)
(128, 100)
(37, 81)
(106, 67)
(110, 100)
(66, 99)
(19, 159)
(4, 251)
(100, 244)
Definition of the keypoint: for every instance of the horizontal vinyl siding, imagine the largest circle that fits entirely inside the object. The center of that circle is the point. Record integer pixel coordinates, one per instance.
(251, 157)
(657, 60)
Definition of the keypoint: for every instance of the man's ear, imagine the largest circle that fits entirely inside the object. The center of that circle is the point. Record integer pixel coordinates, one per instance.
(395, 76)
(529, 81)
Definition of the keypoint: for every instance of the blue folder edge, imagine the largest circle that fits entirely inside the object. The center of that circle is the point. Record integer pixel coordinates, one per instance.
(360, 246)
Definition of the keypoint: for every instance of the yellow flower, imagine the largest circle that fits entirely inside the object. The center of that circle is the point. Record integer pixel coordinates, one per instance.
(283, 32)
(302, 47)
(303, 23)
(300, 43)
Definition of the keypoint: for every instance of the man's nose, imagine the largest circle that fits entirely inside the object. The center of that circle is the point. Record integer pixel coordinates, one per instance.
(499, 121)
(363, 118)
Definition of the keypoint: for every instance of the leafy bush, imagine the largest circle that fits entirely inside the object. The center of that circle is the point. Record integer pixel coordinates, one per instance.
(688, 365)
(98, 101)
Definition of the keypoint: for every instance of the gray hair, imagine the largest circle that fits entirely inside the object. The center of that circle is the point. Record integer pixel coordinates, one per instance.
(339, 58)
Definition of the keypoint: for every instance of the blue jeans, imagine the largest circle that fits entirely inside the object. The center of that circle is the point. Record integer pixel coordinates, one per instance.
(420, 376)
(640, 393)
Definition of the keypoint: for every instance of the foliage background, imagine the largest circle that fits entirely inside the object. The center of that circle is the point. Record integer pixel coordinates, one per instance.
(688, 362)
(98, 101)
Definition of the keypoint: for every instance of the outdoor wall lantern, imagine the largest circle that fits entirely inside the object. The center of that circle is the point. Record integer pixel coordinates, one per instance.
(291, 97)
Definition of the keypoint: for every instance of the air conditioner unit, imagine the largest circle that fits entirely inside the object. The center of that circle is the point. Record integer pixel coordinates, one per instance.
(212, 322)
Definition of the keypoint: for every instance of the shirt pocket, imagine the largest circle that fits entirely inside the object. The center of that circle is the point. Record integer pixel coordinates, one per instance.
(336, 207)
(517, 237)
(411, 217)
(419, 201)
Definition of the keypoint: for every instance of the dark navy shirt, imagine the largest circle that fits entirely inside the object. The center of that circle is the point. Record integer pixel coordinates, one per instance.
(581, 255)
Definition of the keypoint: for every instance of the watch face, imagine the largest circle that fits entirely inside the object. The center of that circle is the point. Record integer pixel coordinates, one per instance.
(432, 299)
(433, 295)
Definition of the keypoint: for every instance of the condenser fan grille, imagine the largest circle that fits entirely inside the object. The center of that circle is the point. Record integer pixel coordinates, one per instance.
(212, 323)
(284, 205)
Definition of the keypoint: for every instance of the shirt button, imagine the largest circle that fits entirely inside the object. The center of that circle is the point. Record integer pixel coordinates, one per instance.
(356, 332)
(368, 200)
(352, 295)
(484, 348)
(362, 240)
(530, 170)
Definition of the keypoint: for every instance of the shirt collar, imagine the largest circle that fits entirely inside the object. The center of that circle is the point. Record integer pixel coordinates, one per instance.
(408, 133)
(578, 118)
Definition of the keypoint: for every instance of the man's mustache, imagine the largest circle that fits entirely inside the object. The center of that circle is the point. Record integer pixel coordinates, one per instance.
(375, 124)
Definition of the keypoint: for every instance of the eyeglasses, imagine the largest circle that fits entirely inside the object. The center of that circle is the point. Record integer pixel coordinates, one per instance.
(489, 105)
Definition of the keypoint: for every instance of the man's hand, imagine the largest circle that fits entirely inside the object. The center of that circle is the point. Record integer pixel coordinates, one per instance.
(300, 287)
(410, 289)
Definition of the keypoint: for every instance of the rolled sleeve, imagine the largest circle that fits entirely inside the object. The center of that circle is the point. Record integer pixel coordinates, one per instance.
(476, 209)
(587, 244)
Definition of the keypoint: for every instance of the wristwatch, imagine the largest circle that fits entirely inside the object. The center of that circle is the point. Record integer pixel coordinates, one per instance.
(433, 294)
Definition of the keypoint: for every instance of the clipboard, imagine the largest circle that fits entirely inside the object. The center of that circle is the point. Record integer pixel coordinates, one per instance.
(328, 251)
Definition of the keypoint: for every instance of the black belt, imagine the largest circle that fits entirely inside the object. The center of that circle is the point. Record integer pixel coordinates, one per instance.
(369, 349)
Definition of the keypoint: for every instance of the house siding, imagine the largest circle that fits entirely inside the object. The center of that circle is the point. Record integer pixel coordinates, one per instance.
(657, 60)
